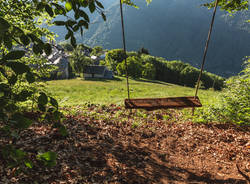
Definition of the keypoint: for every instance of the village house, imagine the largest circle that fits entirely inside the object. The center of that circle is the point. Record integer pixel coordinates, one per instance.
(60, 59)
(96, 71)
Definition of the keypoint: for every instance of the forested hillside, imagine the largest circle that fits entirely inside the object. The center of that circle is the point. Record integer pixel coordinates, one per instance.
(175, 30)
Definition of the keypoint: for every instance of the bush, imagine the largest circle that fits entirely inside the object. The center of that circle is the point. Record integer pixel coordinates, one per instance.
(234, 104)
(237, 97)
(189, 76)
(79, 61)
(134, 67)
(114, 57)
(96, 51)
(148, 71)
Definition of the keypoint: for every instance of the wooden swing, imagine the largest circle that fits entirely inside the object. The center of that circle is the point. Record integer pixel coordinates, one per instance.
(170, 102)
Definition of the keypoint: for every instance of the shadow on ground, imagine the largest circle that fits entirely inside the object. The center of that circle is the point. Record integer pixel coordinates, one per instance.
(107, 153)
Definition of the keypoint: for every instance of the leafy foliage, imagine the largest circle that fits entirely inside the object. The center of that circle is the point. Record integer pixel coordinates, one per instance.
(21, 34)
(97, 51)
(150, 67)
(230, 5)
(234, 103)
(79, 60)
(134, 65)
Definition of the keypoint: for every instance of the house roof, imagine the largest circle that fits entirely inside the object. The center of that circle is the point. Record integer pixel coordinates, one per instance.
(95, 69)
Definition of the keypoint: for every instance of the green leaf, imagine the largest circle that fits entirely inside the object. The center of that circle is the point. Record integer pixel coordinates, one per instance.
(92, 6)
(84, 15)
(8, 42)
(23, 95)
(12, 80)
(104, 16)
(25, 39)
(54, 102)
(4, 25)
(57, 115)
(18, 68)
(68, 6)
(42, 99)
(49, 158)
(70, 23)
(59, 23)
(49, 10)
(63, 131)
(30, 77)
(18, 154)
(4, 87)
(59, 9)
(28, 164)
(81, 31)
(40, 6)
(99, 4)
(73, 41)
(21, 122)
(36, 49)
(77, 15)
(76, 28)
(47, 49)
(35, 39)
(41, 107)
(13, 55)
(3, 71)
(83, 23)
(84, 3)
(68, 35)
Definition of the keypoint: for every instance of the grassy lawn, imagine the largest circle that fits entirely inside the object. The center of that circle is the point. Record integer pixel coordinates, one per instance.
(79, 91)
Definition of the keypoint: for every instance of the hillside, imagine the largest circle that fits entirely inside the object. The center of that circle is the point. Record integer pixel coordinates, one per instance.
(175, 30)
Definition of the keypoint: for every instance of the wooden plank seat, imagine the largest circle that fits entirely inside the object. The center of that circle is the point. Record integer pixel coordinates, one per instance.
(162, 103)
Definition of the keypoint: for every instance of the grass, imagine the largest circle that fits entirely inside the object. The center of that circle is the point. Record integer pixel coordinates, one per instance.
(79, 91)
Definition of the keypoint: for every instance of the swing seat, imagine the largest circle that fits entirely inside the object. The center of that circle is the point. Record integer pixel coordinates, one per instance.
(162, 103)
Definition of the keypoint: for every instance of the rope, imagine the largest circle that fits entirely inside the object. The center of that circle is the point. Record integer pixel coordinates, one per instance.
(124, 47)
(206, 48)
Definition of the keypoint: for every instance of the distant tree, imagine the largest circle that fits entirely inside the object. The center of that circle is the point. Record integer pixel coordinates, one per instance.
(134, 65)
(143, 51)
(67, 46)
(148, 71)
(78, 60)
(97, 51)
(114, 57)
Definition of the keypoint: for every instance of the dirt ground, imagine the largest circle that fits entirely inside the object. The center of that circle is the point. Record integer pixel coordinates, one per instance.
(116, 150)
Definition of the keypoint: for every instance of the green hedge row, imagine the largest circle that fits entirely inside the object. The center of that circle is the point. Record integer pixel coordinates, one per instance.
(157, 68)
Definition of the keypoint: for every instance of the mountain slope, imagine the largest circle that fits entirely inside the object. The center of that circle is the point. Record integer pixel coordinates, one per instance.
(175, 30)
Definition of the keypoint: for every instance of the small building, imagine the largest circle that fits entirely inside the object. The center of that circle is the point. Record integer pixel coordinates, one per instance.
(96, 71)
(60, 59)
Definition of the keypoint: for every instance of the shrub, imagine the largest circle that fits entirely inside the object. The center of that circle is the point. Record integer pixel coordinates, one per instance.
(237, 97)
(114, 57)
(189, 76)
(97, 51)
(234, 103)
(79, 61)
(134, 67)
(148, 71)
